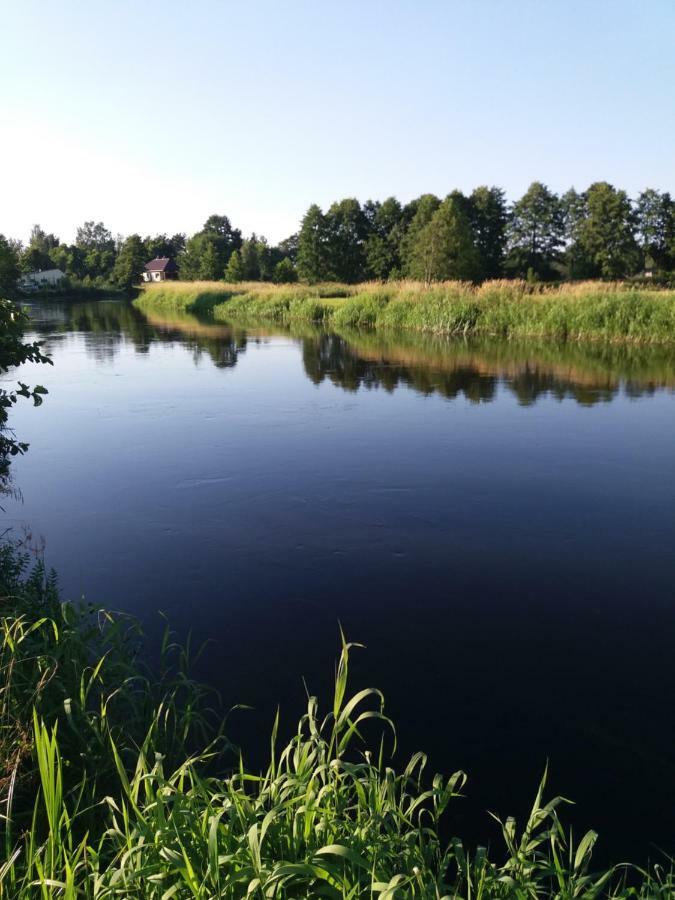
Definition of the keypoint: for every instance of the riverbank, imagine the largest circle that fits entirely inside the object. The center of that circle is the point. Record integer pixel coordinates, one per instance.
(76, 293)
(602, 311)
(117, 781)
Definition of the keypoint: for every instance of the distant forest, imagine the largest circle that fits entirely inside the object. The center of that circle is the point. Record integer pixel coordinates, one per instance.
(598, 233)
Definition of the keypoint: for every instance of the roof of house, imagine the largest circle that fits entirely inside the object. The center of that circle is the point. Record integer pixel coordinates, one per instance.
(44, 273)
(160, 264)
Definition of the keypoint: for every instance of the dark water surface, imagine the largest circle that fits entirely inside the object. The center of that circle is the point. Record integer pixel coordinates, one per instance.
(496, 522)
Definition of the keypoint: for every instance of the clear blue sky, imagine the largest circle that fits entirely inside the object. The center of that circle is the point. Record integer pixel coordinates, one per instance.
(152, 115)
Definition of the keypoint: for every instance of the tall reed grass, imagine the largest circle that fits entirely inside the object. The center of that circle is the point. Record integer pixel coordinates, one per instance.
(117, 785)
(577, 311)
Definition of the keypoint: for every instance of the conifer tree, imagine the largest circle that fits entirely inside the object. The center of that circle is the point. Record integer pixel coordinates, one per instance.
(444, 249)
(424, 208)
(488, 216)
(313, 246)
(234, 270)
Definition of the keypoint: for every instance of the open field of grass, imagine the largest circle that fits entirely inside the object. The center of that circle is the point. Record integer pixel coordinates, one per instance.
(580, 311)
(116, 782)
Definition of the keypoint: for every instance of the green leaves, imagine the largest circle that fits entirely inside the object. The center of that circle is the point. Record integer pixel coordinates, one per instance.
(536, 232)
(14, 352)
(130, 262)
(606, 232)
(444, 249)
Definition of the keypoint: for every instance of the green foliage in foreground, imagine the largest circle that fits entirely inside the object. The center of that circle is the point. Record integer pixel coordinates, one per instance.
(15, 352)
(111, 787)
(584, 311)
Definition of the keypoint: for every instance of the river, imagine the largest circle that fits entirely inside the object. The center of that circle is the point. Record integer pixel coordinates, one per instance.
(495, 521)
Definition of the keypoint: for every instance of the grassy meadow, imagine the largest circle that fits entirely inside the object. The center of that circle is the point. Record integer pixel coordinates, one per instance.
(609, 311)
(117, 782)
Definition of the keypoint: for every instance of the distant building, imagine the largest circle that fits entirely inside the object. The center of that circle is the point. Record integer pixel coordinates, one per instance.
(34, 281)
(163, 268)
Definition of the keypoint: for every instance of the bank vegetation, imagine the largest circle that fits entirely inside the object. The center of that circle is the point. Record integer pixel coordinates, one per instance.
(593, 310)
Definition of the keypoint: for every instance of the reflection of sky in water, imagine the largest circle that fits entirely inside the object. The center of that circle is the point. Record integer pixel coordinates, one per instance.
(510, 566)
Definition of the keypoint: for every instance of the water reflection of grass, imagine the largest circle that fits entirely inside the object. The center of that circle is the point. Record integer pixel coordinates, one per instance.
(588, 371)
(117, 782)
(351, 357)
(594, 365)
(188, 324)
(583, 311)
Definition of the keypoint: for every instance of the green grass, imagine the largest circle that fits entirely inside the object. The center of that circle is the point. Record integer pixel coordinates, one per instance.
(612, 312)
(117, 783)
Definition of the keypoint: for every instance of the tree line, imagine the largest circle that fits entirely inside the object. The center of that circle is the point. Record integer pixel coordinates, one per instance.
(97, 259)
(598, 233)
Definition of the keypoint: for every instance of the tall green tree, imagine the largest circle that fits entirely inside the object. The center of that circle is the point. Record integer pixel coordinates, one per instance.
(420, 213)
(382, 248)
(163, 246)
(234, 270)
(250, 259)
(347, 228)
(284, 272)
(98, 248)
(267, 258)
(9, 267)
(207, 252)
(41, 240)
(210, 262)
(256, 259)
(130, 262)
(288, 248)
(536, 232)
(444, 249)
(94, 236)
(189, 262)
(70, 259)
(313, 246)
(37, 255)
(488, 216)
(607, 232)
(655, 221)
(575, 211)
(221, 227)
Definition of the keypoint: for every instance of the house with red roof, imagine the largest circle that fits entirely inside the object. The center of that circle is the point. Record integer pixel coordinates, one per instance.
(162, 268)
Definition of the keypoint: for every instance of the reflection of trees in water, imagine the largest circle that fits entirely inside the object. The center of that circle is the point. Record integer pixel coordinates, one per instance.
(635, 390)
(589, 374)
(223, 353)
(350, 365)
(102, 347)
(107, 327)
(532, 384)
(329, 357)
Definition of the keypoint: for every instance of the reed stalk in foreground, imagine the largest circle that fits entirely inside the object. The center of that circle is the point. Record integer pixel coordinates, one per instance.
(116, 785)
